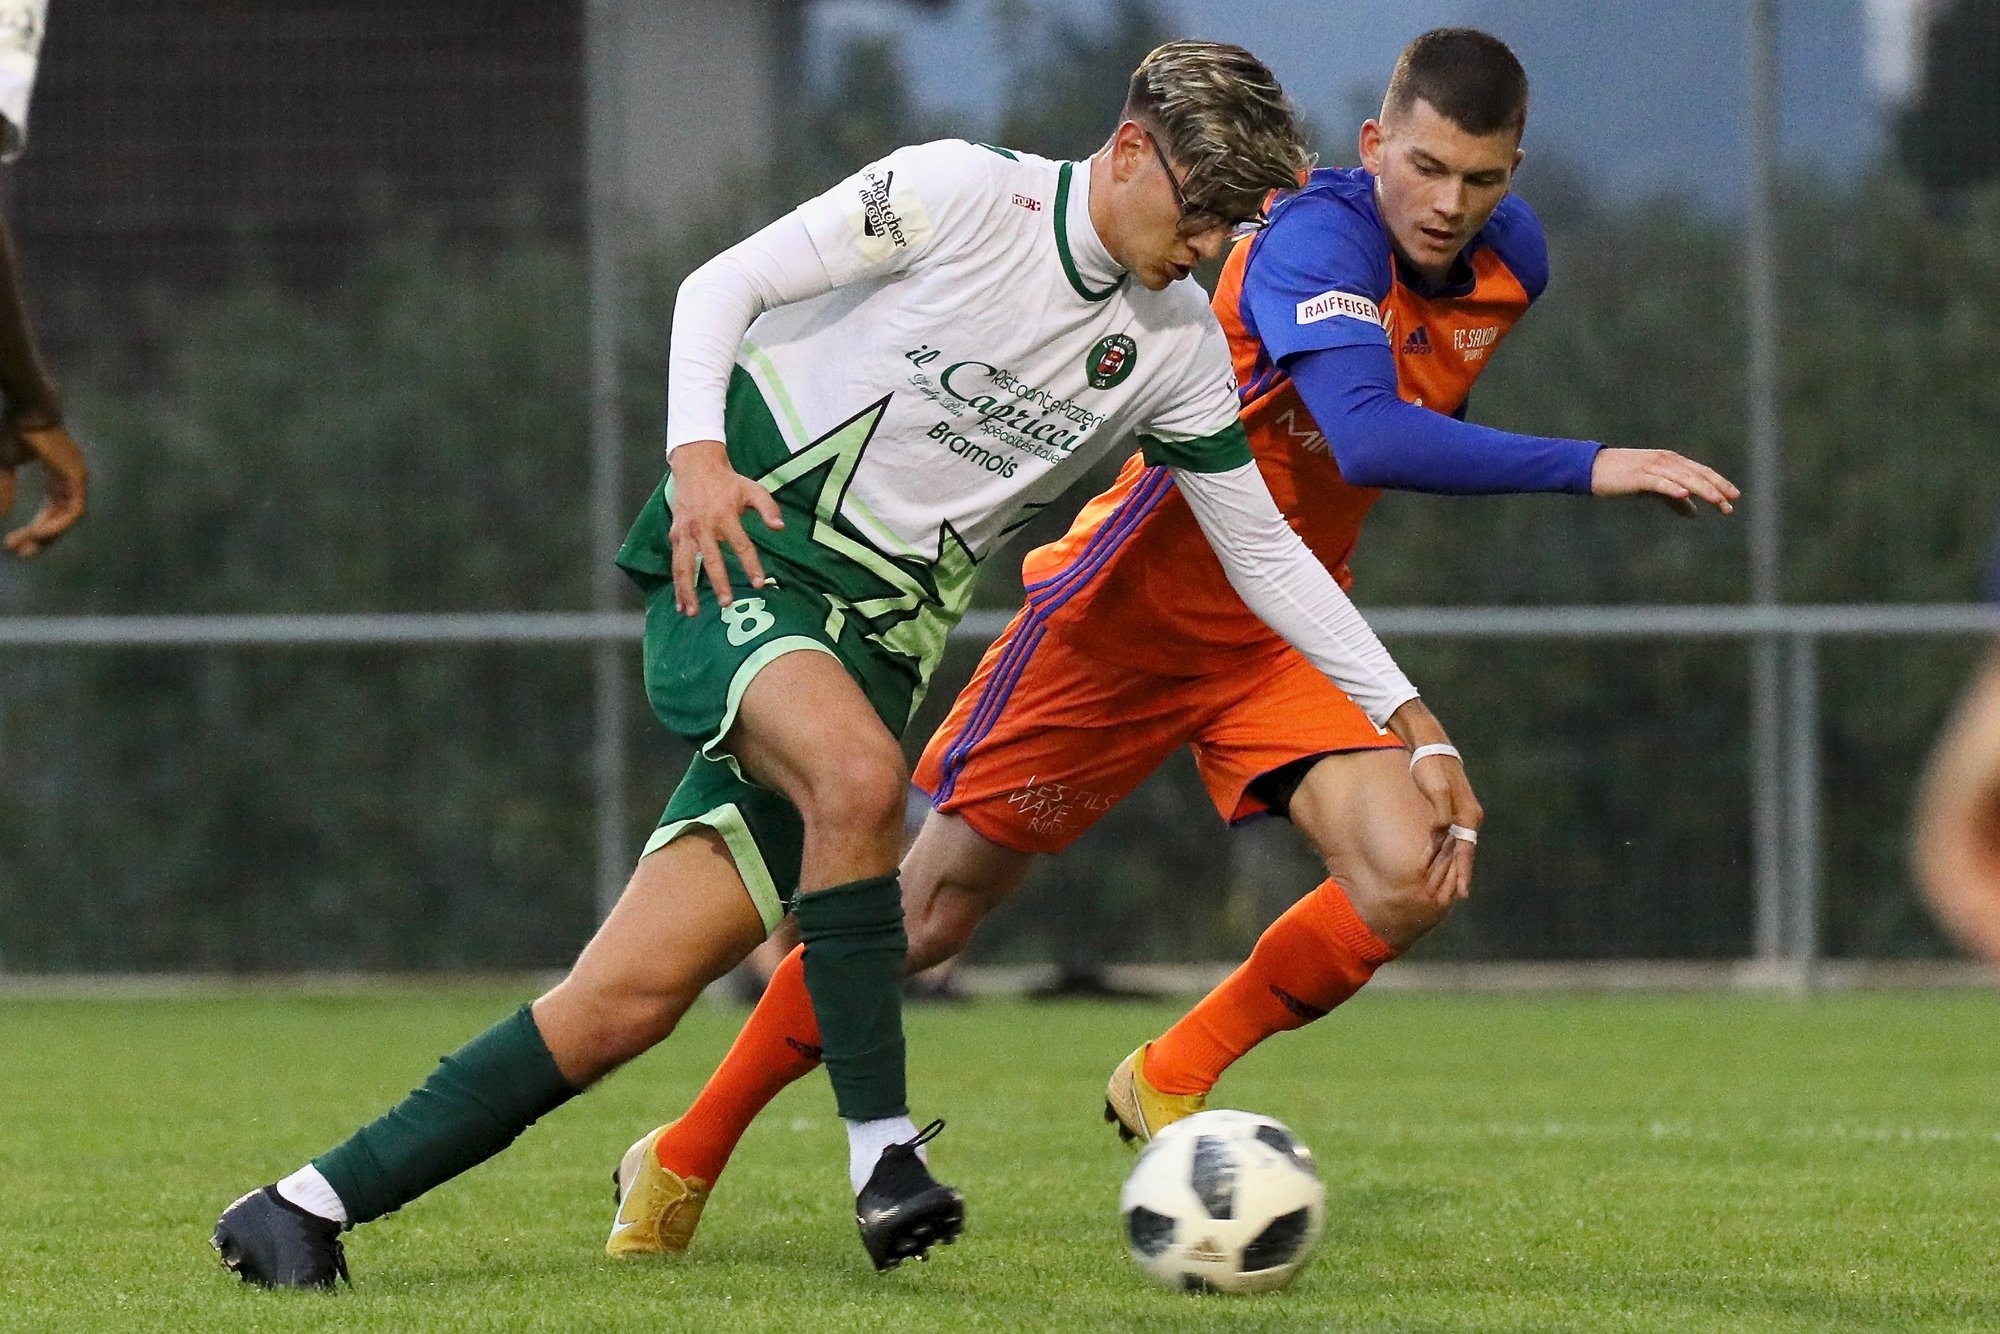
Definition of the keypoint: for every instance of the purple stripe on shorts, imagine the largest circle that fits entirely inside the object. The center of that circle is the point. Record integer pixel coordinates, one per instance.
(1007, 673)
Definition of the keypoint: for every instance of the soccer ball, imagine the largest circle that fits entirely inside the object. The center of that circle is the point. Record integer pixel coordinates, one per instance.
(1223, 1201)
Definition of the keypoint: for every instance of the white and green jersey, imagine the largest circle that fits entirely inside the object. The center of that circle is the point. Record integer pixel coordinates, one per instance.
(977, 350)
(941, 345)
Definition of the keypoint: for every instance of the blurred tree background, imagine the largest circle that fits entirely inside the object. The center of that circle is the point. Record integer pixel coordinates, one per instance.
(411, 438)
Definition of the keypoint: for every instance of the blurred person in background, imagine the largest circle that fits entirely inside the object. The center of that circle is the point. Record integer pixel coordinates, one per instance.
(31, 428)
(1956, 839)
(893, 377)
(1358, 318)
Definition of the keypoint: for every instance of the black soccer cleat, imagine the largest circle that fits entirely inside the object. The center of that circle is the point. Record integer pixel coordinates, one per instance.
(903, 1211)
(265, 1239)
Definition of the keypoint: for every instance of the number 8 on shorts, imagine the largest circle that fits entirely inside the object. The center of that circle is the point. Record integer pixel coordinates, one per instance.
(746, 619)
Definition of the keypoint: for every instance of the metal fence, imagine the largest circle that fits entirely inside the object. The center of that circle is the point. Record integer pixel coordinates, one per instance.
(1789, 907)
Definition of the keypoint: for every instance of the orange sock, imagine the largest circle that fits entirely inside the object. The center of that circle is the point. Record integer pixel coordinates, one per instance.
(1308, 961)
(779, 1044)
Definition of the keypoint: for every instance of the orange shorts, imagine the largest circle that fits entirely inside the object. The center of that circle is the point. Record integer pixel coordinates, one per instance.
(1045, 738)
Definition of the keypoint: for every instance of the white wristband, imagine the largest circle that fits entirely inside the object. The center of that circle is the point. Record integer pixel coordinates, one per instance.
(1462, 834)
(1436, 748)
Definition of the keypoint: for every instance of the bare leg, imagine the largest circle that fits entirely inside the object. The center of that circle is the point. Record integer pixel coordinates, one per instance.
(1375, 831)
(952, 877)
(805, 729)
(764, 960)
(684, 919)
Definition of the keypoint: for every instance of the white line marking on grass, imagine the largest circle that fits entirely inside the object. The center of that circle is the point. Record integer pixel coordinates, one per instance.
(1739, 1132)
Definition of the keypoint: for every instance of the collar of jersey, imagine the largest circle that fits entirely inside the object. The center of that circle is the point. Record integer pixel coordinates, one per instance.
(1085, 259)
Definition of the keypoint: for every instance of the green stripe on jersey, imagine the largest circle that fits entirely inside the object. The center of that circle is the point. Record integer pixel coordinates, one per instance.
(1061, 212)
(1226, 449)
(877, 533)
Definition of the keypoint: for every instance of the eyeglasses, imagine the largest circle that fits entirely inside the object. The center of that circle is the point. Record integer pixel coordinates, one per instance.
(1195, 221)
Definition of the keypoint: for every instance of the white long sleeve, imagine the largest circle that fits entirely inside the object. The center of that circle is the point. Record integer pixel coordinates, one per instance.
(716, 304)
(1278, 579)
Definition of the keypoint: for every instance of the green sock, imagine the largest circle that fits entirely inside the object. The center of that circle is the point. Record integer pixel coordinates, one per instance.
(474, 1104)
(855, 945)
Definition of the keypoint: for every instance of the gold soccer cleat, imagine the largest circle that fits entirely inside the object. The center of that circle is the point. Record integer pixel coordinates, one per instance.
(1139, 1110)
(657, 1209)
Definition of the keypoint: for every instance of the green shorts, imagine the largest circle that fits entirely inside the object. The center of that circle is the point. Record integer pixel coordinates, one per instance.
(697, 669)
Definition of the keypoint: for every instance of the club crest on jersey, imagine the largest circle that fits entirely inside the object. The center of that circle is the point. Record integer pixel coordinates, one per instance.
(1110, 360)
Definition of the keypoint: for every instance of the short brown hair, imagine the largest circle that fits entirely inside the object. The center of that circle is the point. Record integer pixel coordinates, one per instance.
(1469, 77)
(1220, 112)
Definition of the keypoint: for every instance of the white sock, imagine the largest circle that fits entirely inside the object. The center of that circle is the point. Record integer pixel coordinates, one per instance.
(314, 1193)
(867, 1139)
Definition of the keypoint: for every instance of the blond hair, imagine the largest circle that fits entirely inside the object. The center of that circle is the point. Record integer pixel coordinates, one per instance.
(1220, 113)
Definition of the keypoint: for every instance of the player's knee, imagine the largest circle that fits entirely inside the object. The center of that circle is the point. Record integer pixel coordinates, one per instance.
(864, 789)
(631, 1024)
(1392, 896)
(593, 1027)
(937, 934)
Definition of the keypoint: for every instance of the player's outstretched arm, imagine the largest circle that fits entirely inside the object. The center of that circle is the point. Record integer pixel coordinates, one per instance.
(1677, 480)
(1380, 440)
(1956, 841)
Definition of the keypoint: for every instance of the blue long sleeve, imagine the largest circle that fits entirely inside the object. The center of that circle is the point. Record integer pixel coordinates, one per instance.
(1379, 440)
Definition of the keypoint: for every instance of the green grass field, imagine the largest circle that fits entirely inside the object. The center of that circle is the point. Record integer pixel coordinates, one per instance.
(1493, 1163)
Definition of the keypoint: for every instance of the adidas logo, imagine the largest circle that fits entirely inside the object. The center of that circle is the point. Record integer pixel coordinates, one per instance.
(1418, 343)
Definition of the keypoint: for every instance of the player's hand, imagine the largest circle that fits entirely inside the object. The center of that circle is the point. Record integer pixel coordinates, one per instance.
(1677, 480)
(709, 500)
(1455, 811)
(65, 479)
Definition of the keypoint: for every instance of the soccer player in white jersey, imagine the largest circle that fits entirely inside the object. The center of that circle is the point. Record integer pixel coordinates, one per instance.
(32, 429)
(886, 382)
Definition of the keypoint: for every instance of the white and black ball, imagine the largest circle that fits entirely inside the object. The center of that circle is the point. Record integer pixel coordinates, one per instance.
(1223, 1201)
